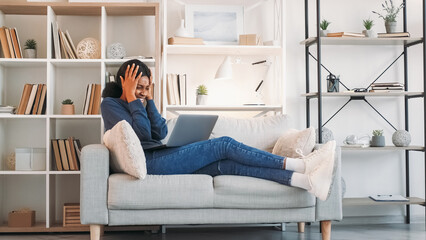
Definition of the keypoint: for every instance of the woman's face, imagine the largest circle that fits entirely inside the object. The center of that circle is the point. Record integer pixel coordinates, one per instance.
(142, 89)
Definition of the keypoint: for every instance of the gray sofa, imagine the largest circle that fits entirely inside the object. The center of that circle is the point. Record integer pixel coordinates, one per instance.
(119, 199)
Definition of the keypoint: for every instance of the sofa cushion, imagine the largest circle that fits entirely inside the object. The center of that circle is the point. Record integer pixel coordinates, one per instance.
(126, 151)
(254, 193)
(292, 140)
(160, 191)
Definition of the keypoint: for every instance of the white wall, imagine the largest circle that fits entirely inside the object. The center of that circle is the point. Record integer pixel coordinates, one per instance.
(364, 173)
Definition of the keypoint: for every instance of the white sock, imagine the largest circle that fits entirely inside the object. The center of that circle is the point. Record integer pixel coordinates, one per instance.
(295, 164)
(300, 180)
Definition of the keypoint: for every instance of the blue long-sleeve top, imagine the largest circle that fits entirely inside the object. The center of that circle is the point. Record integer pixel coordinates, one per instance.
(147, 122)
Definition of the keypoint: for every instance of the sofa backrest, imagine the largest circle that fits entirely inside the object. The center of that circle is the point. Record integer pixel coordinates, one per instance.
(261, 132)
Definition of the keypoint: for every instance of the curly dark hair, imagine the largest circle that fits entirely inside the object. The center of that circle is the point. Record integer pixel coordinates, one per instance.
(114, 89)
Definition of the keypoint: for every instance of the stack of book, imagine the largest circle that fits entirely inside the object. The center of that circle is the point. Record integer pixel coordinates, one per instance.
(66, 154)
(10, 43)
(387, 87)
(176, 89)
(393, 35)
(109, 77)
(7, 109)
(185, 41)
(33, 99)
(62, 44)
(345, 34)
(93, 99)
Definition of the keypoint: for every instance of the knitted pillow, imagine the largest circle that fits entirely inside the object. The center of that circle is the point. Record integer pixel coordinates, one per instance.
(294, 139)
(126, 150)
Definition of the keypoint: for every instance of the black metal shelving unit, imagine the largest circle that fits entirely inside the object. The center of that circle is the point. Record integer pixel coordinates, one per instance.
(406, 43)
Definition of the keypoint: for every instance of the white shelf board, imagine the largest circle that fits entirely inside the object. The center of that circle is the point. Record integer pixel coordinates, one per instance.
(12, 172)
(369, 202)
(76, 62)
(366, 94)
(118, 62)
(21, 116)
(224, 50)
(385, 148)
(23, 62)
(361, 41)
(77, 116)
(224, 108)
(245, 3)
(65, 172)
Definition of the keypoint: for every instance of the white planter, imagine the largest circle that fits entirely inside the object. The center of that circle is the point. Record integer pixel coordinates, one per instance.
(201, 100)
(30, 53)
(369, 33)
(323, 33)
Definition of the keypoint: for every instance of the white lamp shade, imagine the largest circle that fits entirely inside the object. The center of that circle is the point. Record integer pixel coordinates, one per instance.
(225, 70)
(182, 31)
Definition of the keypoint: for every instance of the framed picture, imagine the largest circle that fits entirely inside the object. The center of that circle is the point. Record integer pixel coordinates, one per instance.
(215, 24)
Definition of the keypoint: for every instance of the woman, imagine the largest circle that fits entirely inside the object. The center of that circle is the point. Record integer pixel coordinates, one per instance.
(130, 99)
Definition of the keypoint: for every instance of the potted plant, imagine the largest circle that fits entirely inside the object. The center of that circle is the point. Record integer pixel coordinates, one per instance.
(67, 107)
(368, 32)
(378, 140)
(324, 25)
(201, 95)
(30, 50)
(390, 16)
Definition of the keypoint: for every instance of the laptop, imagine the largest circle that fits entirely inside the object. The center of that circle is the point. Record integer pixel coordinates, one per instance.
(190, 128)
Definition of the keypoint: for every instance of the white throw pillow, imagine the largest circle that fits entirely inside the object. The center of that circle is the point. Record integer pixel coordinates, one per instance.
(126, 150)
(294, 139)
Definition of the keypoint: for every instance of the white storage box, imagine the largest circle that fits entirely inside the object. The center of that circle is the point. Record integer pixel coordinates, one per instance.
(30, 159)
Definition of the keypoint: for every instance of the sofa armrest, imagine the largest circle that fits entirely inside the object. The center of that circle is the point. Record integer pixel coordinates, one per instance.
(331, 209)
(94, 184)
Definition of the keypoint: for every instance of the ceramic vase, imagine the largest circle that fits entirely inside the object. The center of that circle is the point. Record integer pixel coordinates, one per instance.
(67, 109)
(377, 141)
(369, 33)
(30, 53)
(201, 99)
(390, 27)
(323, 33)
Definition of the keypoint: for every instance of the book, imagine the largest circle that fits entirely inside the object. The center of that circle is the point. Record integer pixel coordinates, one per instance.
(37, 99)
(170, 98)
(73, 153)
(96, 99)
(389, 84)
(42, 105)
(24, 99)
(87, 100)
(385, 91)
(4, 44)
(92, 94)
(67, 34)
(175, 88)
(56, 40)
(69, 155)
(185, 41)
(393, 35)
(388, 198)
(77, 147)
(182, 89)
(345, 34)
(63, 152)
(31, 99)
(56, 154)
(15, 41)
(387, 88)
(15, 31)
(64, 53)
(9, 43)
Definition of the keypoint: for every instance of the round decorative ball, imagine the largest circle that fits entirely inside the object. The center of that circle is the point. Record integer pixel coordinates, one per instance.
(401, 138)
(89, 48)
(116, 51)
(327, 135)
(11, 161)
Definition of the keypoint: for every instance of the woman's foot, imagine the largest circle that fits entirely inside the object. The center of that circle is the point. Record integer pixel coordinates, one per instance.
(320, 175)
(316, 158)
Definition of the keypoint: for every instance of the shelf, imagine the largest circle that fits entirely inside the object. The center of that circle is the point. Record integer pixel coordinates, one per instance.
(21, 116)
(12, 172)
(385, 148)
(363, 94)
(65, 172)
(119, 62)
(224, 50)
(23, 62)
(77, 116)
(370, 202)
(76, 62)
(362, 41)
(224, 108)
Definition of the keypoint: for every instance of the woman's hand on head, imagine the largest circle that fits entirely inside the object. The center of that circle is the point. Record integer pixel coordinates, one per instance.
(130, 82)
(150, 92)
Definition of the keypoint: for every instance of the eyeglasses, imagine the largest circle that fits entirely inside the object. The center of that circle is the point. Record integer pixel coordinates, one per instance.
(359, 89)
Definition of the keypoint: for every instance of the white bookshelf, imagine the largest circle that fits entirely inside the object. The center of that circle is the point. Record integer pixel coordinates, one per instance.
(228, 96)
(46, 191)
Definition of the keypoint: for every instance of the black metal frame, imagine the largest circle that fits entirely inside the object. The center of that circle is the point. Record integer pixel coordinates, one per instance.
(406, 99)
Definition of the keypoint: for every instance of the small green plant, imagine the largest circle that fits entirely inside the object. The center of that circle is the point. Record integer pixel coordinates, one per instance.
(31, 44)
(67, 102)
(202, 90)
(377, 132)
(324, 24)
(391, 11)
(368, 24)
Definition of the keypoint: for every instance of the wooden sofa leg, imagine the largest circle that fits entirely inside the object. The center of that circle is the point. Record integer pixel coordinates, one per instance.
(301, 227)
(96, 231)
(326, 230)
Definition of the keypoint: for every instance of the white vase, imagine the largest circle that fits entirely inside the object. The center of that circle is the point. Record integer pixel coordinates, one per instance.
(369, 33)
(323, 33)
(30, 53)
(201, 100)
(182, 31)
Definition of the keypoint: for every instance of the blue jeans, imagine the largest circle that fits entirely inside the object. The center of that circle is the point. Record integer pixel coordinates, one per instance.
(219, 156)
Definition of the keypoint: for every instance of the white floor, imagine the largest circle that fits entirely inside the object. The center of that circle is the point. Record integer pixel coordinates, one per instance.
(414, 231)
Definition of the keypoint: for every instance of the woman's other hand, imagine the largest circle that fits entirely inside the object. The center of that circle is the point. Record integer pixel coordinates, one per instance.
(130, 82)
